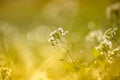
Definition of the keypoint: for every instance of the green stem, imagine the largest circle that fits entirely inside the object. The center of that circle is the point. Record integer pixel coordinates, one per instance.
(71, 58)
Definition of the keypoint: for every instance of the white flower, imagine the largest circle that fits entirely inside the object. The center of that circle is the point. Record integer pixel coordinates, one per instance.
(56, 35)
(94, 36)
(104, 46)
(110, 33)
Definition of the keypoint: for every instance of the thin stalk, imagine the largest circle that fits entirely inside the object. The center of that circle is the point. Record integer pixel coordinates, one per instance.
(71, 58)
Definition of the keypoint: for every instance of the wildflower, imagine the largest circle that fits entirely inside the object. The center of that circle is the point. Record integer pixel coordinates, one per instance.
(112, 55)
(94, 36)
(104, 46)
(56, 36)
(110, 33)
(5, 73)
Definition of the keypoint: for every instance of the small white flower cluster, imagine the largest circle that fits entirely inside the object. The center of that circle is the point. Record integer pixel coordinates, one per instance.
(110, 33)
(105, 47)
(113, 54)
(5, 73)
(56, 36)
(94, 36)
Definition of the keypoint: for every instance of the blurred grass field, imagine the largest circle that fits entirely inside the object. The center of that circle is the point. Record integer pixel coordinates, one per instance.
(25, 26)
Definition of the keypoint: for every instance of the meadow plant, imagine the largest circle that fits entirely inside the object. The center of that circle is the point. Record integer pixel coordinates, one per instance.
(94, 36)
(113, 13)
(107, 52)
(110, 33)
(57, 37)
(106, 46)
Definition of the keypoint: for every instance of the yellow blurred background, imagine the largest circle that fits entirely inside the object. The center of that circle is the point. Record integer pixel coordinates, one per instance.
(25, 26)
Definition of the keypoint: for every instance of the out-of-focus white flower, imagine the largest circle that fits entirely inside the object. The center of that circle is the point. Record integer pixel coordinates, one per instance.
(94, 36)
(113, 9)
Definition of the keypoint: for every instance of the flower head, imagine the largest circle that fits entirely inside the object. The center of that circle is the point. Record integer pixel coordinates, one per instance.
(56, 35)
(104, 46)
(94, 36)
(110, 33)
(113, 55)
